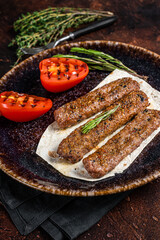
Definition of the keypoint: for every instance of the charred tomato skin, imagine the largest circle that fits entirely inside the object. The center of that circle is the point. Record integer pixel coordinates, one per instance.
(61, 74)
(23, 107)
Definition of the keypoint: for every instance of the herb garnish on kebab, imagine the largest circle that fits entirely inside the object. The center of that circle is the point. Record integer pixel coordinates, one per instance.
(94, 122)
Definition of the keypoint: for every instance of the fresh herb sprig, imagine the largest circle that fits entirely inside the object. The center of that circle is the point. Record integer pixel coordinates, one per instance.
(97, 60)
(42, 27)
(94, 122)
(102, 57)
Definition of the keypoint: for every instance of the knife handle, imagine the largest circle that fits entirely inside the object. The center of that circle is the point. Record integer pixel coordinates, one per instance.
(93, 27)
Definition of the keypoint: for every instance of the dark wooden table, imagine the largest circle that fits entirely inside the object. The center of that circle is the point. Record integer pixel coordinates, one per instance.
(138, 216)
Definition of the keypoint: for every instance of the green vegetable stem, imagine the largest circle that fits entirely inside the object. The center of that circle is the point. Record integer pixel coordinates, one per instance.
(97, 60)
(94, 122)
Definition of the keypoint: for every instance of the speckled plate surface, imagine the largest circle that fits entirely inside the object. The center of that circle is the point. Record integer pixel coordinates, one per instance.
(18, 141)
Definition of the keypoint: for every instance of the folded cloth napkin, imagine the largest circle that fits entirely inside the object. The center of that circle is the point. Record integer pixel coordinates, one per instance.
(60, 216)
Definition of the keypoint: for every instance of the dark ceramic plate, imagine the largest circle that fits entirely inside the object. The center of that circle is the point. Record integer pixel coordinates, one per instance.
(18, 141)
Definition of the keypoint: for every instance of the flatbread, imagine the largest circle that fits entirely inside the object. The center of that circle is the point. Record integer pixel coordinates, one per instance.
(53, 135)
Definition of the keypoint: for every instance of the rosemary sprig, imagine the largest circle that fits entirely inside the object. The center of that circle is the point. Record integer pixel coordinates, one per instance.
(97, 60)
(102, 57)
(94, 122)
(41, 27)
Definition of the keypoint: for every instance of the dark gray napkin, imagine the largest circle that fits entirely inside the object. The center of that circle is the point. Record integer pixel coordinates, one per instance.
(62, 217)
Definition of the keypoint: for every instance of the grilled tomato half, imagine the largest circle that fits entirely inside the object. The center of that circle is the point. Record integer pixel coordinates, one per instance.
(23, 107)
(61, 74)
